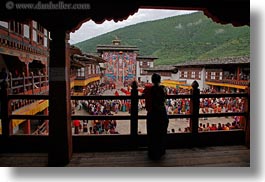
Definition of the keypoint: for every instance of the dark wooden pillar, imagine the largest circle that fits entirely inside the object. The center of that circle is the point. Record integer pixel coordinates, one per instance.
(238, 73)
(32, 82)
(27, 129)
(195, 103)
(10, 83)
(27, 69)
(134, 112)
(194, 110)
(5, 109)
(247, 119)
(24, 83)
(60, 137)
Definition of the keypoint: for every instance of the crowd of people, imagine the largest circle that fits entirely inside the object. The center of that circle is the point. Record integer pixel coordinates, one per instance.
(173, 106)
(98, 107)
(97, 127)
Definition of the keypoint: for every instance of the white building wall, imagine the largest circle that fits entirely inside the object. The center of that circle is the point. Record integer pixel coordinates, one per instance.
(203, 76)
(166, 78)
(137, 69)
(146, 78)
(175, 76)
(200, 81)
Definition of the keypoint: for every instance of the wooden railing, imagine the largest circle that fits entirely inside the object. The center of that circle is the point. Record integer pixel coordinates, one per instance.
(42, 129)
(133, 140)
(31, 85)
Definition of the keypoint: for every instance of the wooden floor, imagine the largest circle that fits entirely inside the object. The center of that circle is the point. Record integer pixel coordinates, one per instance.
(221, 156)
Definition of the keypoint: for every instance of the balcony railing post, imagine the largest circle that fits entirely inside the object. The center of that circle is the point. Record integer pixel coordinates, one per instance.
(24, 83)
(11, 83)
(247, 118)
(195, 103)
(40, 80)
(134, 109)
(5, 109)
(32, 81)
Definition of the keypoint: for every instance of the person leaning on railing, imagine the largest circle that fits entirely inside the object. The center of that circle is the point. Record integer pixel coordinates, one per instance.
(157, 119)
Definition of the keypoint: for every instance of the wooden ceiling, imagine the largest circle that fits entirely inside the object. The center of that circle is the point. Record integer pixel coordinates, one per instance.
(236, 12)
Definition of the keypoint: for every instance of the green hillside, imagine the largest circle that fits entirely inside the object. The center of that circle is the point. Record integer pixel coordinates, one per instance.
(180, 38)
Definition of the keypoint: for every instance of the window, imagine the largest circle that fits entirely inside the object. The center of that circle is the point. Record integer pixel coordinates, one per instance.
(93, 69)
(4, 24)
(212, 75)
(185, 74)
(40, 28)
(89, 70)
(45, 32)
(45, 42)
(81, 72)
(193, 74)
(16, 27)
(199, 74)
(34, 36)
(26, 31)
(181, 73)
(34, 24)
(220, 76)
(144, 63)
(40, 39)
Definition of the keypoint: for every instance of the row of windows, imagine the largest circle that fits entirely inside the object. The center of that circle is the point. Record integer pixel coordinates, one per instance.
(214, 75)
(145, 63)
(92, 69)
(190, 74)
(24, 30)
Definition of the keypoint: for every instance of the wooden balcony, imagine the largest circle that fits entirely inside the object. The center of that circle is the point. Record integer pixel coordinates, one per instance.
(60, 142)
(220, 156)
(132, 141)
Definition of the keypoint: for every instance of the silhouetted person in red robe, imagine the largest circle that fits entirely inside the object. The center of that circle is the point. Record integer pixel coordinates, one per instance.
(157, 119)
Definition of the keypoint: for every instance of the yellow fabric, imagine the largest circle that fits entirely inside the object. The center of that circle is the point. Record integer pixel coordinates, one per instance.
(85, 82)
(78, 94)
(185, 87)
(72, 84)
(31, 109)
(172, 83)
(227, 85)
